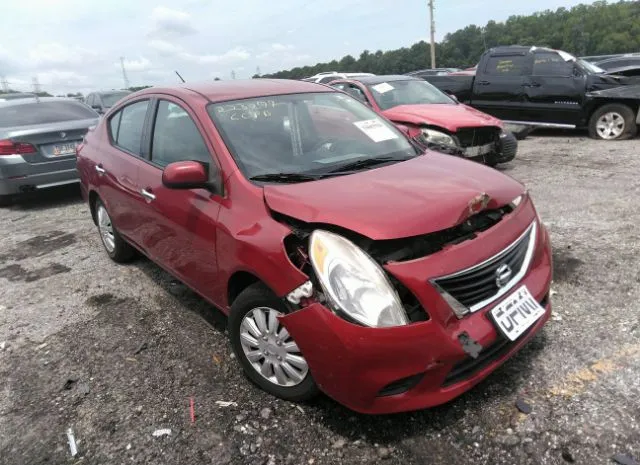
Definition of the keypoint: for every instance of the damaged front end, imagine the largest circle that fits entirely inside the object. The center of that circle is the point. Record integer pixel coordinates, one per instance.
(488, 145)
(382, 252)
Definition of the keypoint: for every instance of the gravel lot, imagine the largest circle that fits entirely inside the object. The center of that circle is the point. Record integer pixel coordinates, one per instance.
(117, 352)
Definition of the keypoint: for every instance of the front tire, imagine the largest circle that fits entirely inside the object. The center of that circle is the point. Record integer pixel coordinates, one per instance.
(6, 200)
(116, 247)
(267, 353)
(614, 121)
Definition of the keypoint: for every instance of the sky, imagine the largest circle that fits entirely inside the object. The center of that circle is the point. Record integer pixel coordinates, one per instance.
(76, 45)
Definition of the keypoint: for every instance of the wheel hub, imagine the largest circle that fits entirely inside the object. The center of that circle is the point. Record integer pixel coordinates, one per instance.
(270, 349)
(610, 125)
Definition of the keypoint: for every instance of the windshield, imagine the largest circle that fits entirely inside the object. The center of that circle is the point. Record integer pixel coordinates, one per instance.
(110, 99)
(414, 92)
(305, 134)
(589, 66)
(33, 113)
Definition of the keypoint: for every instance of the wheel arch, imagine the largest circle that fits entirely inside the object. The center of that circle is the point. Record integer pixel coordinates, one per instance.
(238, 282)
(93, 198)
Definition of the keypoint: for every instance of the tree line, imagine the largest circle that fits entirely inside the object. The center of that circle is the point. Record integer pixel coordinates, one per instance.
(600, 28)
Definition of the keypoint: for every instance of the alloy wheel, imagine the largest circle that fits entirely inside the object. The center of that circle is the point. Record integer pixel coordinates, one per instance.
(610, 125)
(270, 349)
(106, 229)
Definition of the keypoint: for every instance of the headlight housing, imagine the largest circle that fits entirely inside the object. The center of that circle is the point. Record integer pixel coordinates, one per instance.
(440, 138)
(353, 282)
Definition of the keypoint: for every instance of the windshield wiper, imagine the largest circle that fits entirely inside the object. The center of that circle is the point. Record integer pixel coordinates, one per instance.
(366, 163)
(285, 177)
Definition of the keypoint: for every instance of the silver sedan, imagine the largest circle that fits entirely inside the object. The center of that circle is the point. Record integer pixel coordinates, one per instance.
(38, 140)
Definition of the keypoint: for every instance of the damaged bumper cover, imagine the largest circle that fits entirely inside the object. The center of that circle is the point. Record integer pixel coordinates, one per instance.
(420, 365)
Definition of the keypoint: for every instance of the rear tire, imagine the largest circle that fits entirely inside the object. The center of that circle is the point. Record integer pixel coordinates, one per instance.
(614, 121)
(116, 247)
(247, 333)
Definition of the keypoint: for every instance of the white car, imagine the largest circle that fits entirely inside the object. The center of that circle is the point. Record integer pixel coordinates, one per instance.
(327, 77)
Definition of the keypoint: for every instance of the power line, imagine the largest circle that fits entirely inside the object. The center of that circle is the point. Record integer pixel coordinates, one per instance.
(124, 74)
(433, 34)
(36, 85)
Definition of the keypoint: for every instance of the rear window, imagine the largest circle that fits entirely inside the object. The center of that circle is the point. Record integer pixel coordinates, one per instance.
(34, 113)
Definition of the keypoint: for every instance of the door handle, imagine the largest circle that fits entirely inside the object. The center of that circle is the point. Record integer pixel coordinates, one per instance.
(148, 195)
(533, 84)
(484, 83)
(100, 170)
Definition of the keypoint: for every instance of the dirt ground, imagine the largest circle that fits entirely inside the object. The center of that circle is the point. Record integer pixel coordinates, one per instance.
(117, 352)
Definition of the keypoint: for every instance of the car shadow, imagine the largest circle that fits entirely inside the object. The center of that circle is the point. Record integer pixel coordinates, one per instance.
(54, 197)
(505, 383)
(188, 298)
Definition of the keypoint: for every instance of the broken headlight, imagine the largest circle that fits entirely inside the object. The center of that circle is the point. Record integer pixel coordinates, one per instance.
(432, 136)
(354, 284)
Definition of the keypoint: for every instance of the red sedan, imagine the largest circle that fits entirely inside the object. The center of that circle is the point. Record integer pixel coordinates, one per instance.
(348, 260)
(434, 119)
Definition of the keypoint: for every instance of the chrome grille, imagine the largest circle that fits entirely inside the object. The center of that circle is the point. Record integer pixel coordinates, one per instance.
(473, 137)
(476, 287)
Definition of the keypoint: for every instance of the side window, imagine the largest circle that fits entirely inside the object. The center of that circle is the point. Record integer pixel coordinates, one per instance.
(176, 137)
(130, 125)
(114, 126)
(551, 64)
(512, 65)
(89, 100)
(357, 93)
(339, 86)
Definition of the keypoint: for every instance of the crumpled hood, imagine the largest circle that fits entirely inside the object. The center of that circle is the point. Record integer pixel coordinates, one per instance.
(450, 117)
(426, 194)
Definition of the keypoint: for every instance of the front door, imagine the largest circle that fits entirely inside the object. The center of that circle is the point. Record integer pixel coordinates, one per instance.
(498, 88)
(180, 225)
(553, 91)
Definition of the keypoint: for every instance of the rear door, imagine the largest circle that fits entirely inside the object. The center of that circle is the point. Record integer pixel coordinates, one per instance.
(180, 225)
(498, 87)
(554, 92)
(118, 169)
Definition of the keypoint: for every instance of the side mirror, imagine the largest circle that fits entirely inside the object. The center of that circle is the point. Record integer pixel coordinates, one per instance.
(186, 175)
(454, 98)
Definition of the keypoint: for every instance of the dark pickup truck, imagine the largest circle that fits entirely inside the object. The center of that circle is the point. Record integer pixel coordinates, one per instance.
(541, 87)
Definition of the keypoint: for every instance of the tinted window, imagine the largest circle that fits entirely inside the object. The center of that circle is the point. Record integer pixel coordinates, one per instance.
(551, 64)
(506, 65)
(31, 113)
(305, 133)
(176, 137)
(129, 136)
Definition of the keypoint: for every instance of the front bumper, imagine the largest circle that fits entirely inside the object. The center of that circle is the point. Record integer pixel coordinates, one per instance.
(356, 365)
(18, 176)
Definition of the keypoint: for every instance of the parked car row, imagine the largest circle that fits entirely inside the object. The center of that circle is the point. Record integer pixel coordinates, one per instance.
(349, 259)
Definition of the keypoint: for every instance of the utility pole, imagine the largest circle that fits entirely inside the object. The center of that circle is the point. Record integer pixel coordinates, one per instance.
(5, 84)
(36, 85)
(433, 35)
(124, 74)
(233, 74)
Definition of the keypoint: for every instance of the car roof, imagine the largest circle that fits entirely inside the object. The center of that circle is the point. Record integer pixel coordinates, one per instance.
(370, 80)
(222, 91)
(114, 91)
(26, 100)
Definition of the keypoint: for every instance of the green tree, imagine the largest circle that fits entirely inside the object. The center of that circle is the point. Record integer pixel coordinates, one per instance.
(600, 28)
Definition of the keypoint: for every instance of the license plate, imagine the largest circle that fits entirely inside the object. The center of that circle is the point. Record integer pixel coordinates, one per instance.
(478, 150)
(517, 313)
(64, 149)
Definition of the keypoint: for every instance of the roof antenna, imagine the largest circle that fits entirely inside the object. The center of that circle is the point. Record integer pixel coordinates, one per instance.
(180, 76)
